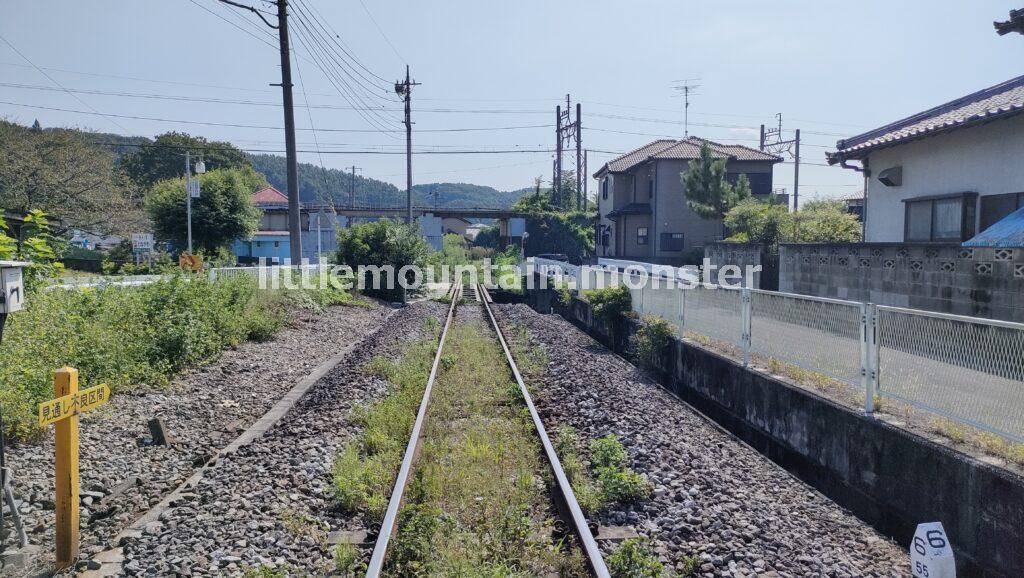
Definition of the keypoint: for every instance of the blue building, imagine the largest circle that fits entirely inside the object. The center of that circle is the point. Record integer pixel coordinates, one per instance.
(271, 241)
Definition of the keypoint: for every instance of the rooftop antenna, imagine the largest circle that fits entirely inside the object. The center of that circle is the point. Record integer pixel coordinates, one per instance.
(687, 88)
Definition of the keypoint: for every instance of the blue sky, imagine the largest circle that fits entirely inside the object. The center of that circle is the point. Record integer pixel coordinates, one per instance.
(831, 69)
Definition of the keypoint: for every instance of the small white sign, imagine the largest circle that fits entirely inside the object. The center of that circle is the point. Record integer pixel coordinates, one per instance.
(931, 556)
(12, 290)
(142, 241)
(193, 188)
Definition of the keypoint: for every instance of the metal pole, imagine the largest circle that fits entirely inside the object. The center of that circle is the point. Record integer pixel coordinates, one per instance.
(556, 180)
(746, 318)
(579, 160)
(188, 199)
(408, 146)
(294, 212)
(796, 174)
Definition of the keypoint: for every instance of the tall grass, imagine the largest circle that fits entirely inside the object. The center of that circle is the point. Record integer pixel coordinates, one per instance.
(130, 336)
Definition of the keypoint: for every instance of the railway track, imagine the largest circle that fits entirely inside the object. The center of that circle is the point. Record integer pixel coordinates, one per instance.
(571, 515)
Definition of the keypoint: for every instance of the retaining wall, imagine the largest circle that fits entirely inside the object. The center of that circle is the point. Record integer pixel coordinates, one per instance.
(889, 477)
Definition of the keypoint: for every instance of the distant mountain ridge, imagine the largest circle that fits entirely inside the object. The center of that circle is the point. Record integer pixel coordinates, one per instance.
(316, 184)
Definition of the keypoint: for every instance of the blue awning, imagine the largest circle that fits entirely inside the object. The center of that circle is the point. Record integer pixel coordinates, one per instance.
(1006, 232)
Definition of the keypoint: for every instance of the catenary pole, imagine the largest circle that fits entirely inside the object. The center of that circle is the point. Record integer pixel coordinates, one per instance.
(579, 160)
(796, 173)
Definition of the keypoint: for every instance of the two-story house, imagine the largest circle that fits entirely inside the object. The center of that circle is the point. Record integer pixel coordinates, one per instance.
(643, 213)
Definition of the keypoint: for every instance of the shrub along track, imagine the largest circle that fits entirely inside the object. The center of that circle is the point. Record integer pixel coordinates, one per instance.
(718, 507)
(260, 504)
(203, 409)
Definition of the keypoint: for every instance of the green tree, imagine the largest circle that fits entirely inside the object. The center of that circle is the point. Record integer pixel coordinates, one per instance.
(164, 158)
(707, 191)
(381, 243)
(223, 213)
(754, 221)
(825, 221)
(770, 223)
(58, 172)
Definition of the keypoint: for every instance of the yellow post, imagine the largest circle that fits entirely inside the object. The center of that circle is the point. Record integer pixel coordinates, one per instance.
(65, 382)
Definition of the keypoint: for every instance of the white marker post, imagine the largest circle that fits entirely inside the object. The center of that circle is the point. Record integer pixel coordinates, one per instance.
(931, 556)
(12, 287)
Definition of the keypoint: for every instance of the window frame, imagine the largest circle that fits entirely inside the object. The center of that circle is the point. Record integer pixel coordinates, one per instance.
(604, 188)
(968, 217)
(642, 239)
(672, 237)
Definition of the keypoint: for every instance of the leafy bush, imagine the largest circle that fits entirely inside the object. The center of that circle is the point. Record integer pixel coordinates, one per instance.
(611, 302)
(607, 452)
(618, 483)
(634, 559)
(126, 336)
(382, 243)
(651, 339)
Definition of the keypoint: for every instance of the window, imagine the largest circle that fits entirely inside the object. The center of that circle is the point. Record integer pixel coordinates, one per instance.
(277, 244)
(259, 243)
(604, 188)
(641, 235)
(995, 207)
(944, 218)
(671, 241)
(650, 188)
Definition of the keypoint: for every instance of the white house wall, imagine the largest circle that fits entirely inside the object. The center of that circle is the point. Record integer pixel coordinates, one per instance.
(987, 159)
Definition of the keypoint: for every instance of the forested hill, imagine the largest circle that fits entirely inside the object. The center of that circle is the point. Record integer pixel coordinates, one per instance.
(322, 184)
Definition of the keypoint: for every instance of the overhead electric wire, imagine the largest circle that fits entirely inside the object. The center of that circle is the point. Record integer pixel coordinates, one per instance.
(50, 78)
(315, 49)
(268, 127)
(381, 31)
(247, 31)
(316, 142)
(357, 152)
(335, 38)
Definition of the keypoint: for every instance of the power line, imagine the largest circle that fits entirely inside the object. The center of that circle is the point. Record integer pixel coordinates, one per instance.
(336, 38)
(50, 78)
(329, 152)
(268, 127)
(320, 57)
(379, 29)
(246, 31)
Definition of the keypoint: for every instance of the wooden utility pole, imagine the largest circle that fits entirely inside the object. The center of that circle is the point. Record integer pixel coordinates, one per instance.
(294, 214)
(404, 89)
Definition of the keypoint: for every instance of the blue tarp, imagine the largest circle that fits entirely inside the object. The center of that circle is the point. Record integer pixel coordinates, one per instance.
(1006, 232)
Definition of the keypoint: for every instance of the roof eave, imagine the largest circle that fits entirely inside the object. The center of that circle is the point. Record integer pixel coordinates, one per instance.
(862, 153)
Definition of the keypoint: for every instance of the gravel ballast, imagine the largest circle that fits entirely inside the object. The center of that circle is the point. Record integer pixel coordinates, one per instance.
(123, 474)
(714, 498)
(269, 504)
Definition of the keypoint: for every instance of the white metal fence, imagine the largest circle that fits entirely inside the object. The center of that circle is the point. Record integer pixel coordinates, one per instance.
(212, 273)
(963, 368)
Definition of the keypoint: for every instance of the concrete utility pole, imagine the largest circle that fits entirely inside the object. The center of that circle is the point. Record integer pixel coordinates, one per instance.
(352, 188)
(294, 213)
(404, 89)
(188, 199)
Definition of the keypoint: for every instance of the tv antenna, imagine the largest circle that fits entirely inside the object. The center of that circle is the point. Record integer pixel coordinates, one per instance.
(687, 88)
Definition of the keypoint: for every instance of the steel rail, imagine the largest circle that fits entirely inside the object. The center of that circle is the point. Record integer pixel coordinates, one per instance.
(578, 520)
(390, 524)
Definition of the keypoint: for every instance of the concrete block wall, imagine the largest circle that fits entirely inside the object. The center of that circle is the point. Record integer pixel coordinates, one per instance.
(740, 254)
(891, 478)
(948, 278)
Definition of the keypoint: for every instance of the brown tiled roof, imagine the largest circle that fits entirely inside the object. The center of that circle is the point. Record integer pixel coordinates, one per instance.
(1000, 101)
(687, 149)
(633, 158)
(269, 196)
